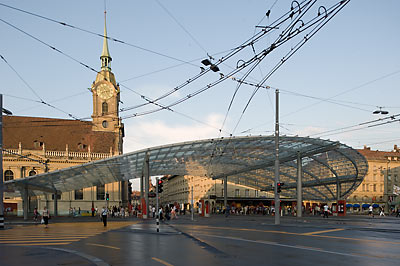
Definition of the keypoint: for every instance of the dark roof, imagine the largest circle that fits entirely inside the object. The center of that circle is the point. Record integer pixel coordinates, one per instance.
(55, 134)
(378, 155)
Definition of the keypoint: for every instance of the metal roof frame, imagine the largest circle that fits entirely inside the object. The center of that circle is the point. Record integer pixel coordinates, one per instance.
(325, 164)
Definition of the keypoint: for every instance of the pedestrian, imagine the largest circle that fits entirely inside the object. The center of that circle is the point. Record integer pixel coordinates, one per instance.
(160, 214)
(35, 215)
(370, 209)
(382, 213)
(45, 217)
(326, 208)
(92, 211)
(104, 213)
(153, 210)
(398, 212)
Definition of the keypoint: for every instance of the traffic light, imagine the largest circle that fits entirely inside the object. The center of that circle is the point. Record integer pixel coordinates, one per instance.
(279, 187)
(160, 186)
(107, 197)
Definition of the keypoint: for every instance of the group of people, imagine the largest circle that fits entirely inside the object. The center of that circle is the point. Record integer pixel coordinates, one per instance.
(45, 216)
(165, 213)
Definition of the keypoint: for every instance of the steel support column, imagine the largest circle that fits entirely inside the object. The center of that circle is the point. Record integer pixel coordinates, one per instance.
(55, 204)
(299, 185)
(226, 193)
(25, 208)
(146, 185)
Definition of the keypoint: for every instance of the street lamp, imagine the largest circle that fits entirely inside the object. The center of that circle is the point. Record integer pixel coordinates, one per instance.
(7, 112)
(380, 111)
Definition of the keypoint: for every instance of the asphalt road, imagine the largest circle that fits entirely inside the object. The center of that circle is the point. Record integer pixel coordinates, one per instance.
(236, 240)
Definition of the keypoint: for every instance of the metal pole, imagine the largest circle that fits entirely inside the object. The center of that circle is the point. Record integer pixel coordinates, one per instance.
(226, 193)
(25, 202)
(385, 188)
(277, 200)
(146, 184)
(157, 208)
(1, 165)
(192, 208)
(299, 185)
(55, 203)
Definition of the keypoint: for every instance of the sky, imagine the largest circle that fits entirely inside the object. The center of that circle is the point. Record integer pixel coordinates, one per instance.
(347, 70)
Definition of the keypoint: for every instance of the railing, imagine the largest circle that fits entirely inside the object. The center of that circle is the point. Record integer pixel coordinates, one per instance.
(62, 154)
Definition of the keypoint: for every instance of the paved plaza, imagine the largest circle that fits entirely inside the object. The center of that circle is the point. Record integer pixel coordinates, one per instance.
(235, 240)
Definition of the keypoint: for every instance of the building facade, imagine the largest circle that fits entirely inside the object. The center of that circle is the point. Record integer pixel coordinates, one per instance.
(178, 189)
(378, 187)
(34, 145)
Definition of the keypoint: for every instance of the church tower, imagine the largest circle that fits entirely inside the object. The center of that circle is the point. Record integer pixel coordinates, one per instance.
(106, 94)
(106, 97)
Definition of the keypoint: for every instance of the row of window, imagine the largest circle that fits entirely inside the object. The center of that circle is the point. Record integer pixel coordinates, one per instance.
(9, 175)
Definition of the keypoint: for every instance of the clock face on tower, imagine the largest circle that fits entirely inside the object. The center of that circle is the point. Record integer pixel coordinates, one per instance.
(104, 91)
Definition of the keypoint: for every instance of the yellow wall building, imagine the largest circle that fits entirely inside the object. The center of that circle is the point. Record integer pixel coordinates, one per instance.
(383, 174)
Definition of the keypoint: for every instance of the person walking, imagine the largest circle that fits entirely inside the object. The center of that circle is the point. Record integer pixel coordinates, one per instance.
(326, 208)
(381, 213)
(35, 215)
(45, 217)
(104, 213)
(370, 211)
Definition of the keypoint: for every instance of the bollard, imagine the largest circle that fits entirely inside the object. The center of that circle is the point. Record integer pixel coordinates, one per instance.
(158, 225)
(1, 221)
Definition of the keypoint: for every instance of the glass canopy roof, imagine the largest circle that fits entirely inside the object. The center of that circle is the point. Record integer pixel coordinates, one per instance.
(249, 161)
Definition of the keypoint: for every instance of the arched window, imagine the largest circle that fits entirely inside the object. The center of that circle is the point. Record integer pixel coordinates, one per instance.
(8, 175)
(32, 172)
(104, 108)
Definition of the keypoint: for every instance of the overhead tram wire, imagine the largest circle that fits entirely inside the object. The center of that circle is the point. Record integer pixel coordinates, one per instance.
(330, 99)
(245, 64)
(319, 21)
(251, 41)
(380, 120)
(180, 25)
(142, 96)
(97, 34)
(34, 92)
(315, 23)
(260, 56)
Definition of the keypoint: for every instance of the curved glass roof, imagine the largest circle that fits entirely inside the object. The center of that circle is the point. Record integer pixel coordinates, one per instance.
(248, 161)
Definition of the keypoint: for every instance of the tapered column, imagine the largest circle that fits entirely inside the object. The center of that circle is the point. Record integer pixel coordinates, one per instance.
(299, 185)
(55, 203)
(146, 184)
(25, 202)
(226, 193)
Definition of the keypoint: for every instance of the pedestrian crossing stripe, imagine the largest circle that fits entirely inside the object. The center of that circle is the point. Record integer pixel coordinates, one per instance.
(56, 234)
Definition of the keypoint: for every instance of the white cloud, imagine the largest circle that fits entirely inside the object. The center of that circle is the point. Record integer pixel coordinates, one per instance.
(148, 134)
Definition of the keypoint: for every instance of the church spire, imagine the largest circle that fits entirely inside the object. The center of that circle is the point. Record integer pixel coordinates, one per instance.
(105, 55)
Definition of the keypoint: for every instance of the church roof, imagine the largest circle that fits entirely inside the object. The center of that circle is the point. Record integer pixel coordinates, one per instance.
(55, 134)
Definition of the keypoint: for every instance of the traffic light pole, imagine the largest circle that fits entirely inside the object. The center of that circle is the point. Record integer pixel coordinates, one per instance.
(277, 199)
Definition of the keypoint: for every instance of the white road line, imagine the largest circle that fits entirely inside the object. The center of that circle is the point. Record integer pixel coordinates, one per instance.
(292, 246)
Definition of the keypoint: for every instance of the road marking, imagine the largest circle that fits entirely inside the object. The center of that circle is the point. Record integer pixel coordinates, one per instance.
(324, 231)
(162, 262)
(58, 233)
(292, 246)
(42, 244)
(298, 234)
(104, 246)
